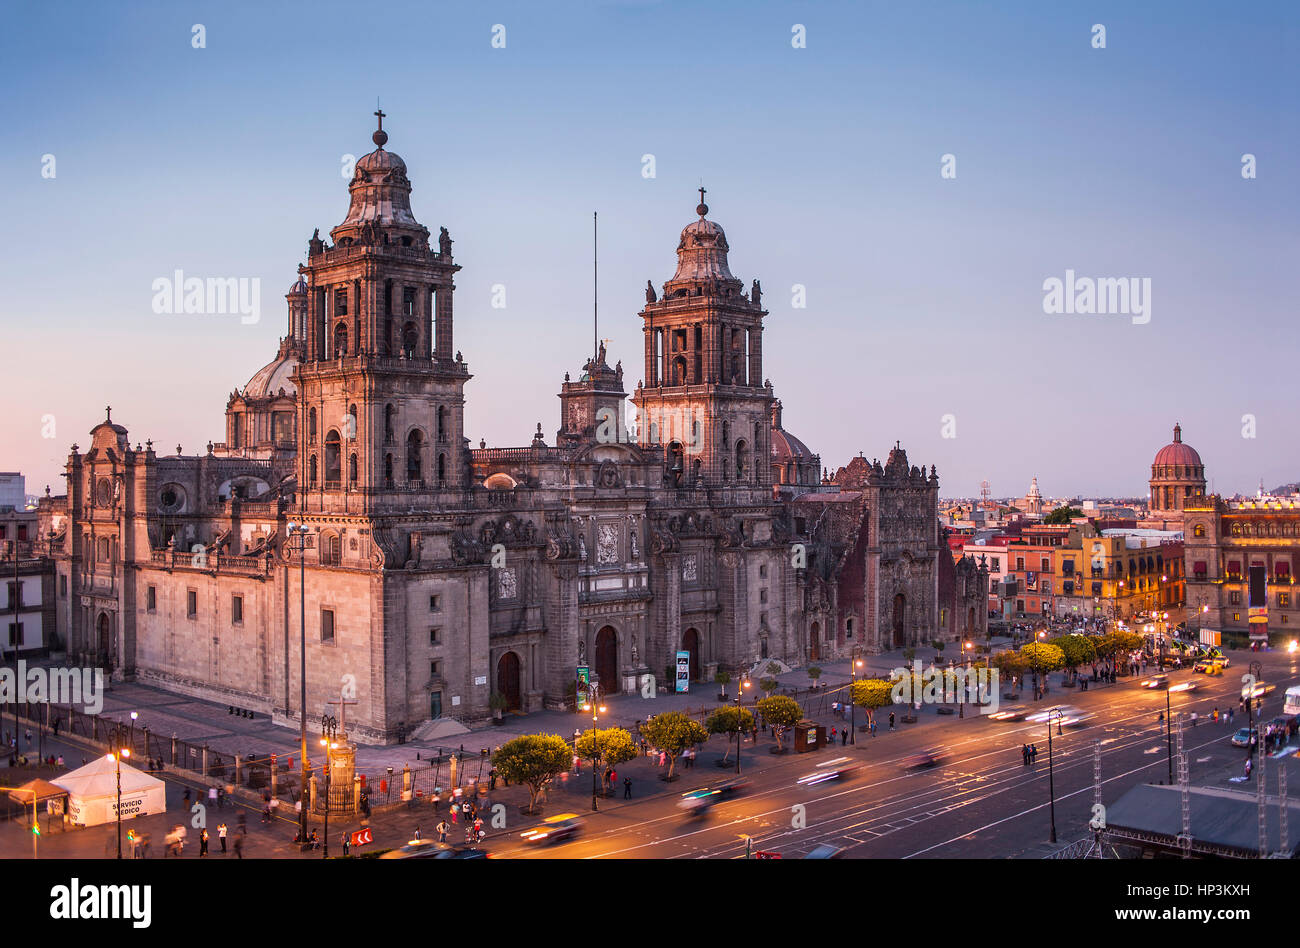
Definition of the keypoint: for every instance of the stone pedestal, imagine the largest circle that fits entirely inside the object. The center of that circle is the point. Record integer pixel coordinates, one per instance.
(343, 768)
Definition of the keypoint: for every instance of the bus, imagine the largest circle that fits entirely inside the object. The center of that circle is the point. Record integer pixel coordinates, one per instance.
(1292, 704)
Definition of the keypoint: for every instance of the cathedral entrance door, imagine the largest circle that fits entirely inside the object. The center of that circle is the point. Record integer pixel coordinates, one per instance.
(900, 610)
(508, 680)
(691, 643)
(815, 642)
(607, 660)
(104, 637)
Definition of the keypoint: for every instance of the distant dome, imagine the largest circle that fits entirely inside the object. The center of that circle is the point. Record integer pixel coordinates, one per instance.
(1177, 453)
(786, 447)
(269, 379)
(299, 288)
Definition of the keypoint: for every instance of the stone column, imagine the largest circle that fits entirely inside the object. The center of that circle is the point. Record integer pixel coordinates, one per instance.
(444, 351)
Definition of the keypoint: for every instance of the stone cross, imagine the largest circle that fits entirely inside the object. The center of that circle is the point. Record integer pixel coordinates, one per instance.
(343, 703)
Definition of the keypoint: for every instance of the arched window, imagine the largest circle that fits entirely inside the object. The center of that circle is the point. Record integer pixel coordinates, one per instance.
(742, 459)
(340, 340)
(388, 470)
(410, 338)
(333, 458)
(414, 443)
(442, 424)
(352, 469)
(311, 471)
(389, 413)
(442, 469)
(675, 469)
(1198, 531)
(311, 425)
(679, 371)
(352, 421)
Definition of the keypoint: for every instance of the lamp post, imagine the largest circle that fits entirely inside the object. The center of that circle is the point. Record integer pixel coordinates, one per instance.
(328, 728)
(854, 665)
(593, 692)
(300, 531)
(1051, 779)
(116, 756)
(741, 685)
(1256, 676)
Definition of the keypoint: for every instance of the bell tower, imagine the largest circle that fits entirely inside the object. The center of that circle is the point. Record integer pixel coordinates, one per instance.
(704, 397)
(381, 395)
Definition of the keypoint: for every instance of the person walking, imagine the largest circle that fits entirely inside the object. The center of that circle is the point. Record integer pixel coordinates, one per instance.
(417, 835)
(203, 843)
(347, 840)
(844, 736)
(221, 835)
(239, 843)
(212, 797)
(442, 829)
(1024, 754)
(891, 720)
(627, 788)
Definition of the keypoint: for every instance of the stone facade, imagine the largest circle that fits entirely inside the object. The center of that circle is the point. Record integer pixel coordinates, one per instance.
(429, 574)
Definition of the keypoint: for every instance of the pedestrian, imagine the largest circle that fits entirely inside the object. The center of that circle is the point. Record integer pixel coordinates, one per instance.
(627, 788)
(873, 726)
(203, 843)
(455, 813)
(1193, 719)
(832, 735)
(478, 831)
(1248, 767)
(347, 839)
(442, 829)
(239, 843)
(1024, 754)
(212, 797)
(891, 720)
(187, 798)
(417, 835)
(221, 835)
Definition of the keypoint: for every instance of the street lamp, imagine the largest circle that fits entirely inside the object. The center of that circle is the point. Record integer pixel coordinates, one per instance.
(328, 728)
(1051, 780)
(596, 710)
(116, 757)
(300, 531)
(740, 694)
(1256, 676)
(854, 665)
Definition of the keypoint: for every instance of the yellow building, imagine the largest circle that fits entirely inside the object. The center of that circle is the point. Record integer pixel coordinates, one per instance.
(1118, 574)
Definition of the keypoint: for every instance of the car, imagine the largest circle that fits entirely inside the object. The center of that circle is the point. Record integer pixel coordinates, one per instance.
(930, 757)
(554, 829)
(825, 851)
(1156, 682)
(1016, 712)
(428, 849)
(836, 769)
(1242, 737)
(1221, 660)
(697, 802)
(1258, 689)
(1203, 666)
(1185, 686)
(1063, 714)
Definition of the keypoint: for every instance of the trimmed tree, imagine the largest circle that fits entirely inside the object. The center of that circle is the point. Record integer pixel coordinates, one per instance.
(610, 746)
(729, 720)
(673, 732)
(533, 760)
(722, 679)
(873, 693)
(1010, 665)
(1041, 658)
(1078, 650)
(782, 713)
(814, 673)
(768, 685)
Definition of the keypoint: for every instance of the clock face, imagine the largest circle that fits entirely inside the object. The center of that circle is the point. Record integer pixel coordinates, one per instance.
(104, 492)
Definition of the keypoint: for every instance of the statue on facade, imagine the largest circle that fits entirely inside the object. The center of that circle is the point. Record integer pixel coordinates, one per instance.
(636, 658)
(444, 242)
(756, 294)
(650, 295)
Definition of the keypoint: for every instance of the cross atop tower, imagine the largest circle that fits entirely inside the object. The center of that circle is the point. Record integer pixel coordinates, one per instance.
(108, 412)
(703, 208)
(380, 114)
(380, 138)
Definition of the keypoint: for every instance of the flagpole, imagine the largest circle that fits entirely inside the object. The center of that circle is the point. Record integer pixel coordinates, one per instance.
(595, 317)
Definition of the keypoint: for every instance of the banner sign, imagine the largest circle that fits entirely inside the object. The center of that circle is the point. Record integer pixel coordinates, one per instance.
(683, 672)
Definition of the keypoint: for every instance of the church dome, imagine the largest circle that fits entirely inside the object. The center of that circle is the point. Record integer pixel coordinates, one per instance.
(380, 196)
(786, 447)
(1177, 453)
(269, 379)
(299, 288)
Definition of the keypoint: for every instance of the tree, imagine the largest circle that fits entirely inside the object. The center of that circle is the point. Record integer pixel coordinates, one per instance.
(533, 760)
(782, 713)
(1114, 643)
(730, 720)
(873, 693)
(1062, 515)
(722, 679)
(673, 732)
(768, 685)
(1010, 665)
(814, 672)
(611, 746)
(1078, 650)
(1041, 658)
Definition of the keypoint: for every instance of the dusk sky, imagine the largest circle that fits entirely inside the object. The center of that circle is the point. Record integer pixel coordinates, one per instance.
(924, 294)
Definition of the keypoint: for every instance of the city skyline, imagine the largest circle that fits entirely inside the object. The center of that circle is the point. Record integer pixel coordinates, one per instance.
(224, 171)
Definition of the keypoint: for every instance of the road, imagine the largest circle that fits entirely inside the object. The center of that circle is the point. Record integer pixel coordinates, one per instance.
(982, 802)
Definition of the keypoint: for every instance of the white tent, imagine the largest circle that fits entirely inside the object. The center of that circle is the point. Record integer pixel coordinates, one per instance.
(92, 793)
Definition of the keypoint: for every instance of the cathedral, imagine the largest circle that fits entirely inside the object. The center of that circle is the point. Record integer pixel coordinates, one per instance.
(443, 580)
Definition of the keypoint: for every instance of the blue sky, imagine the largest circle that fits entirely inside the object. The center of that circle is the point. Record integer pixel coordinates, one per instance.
(924, 295)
